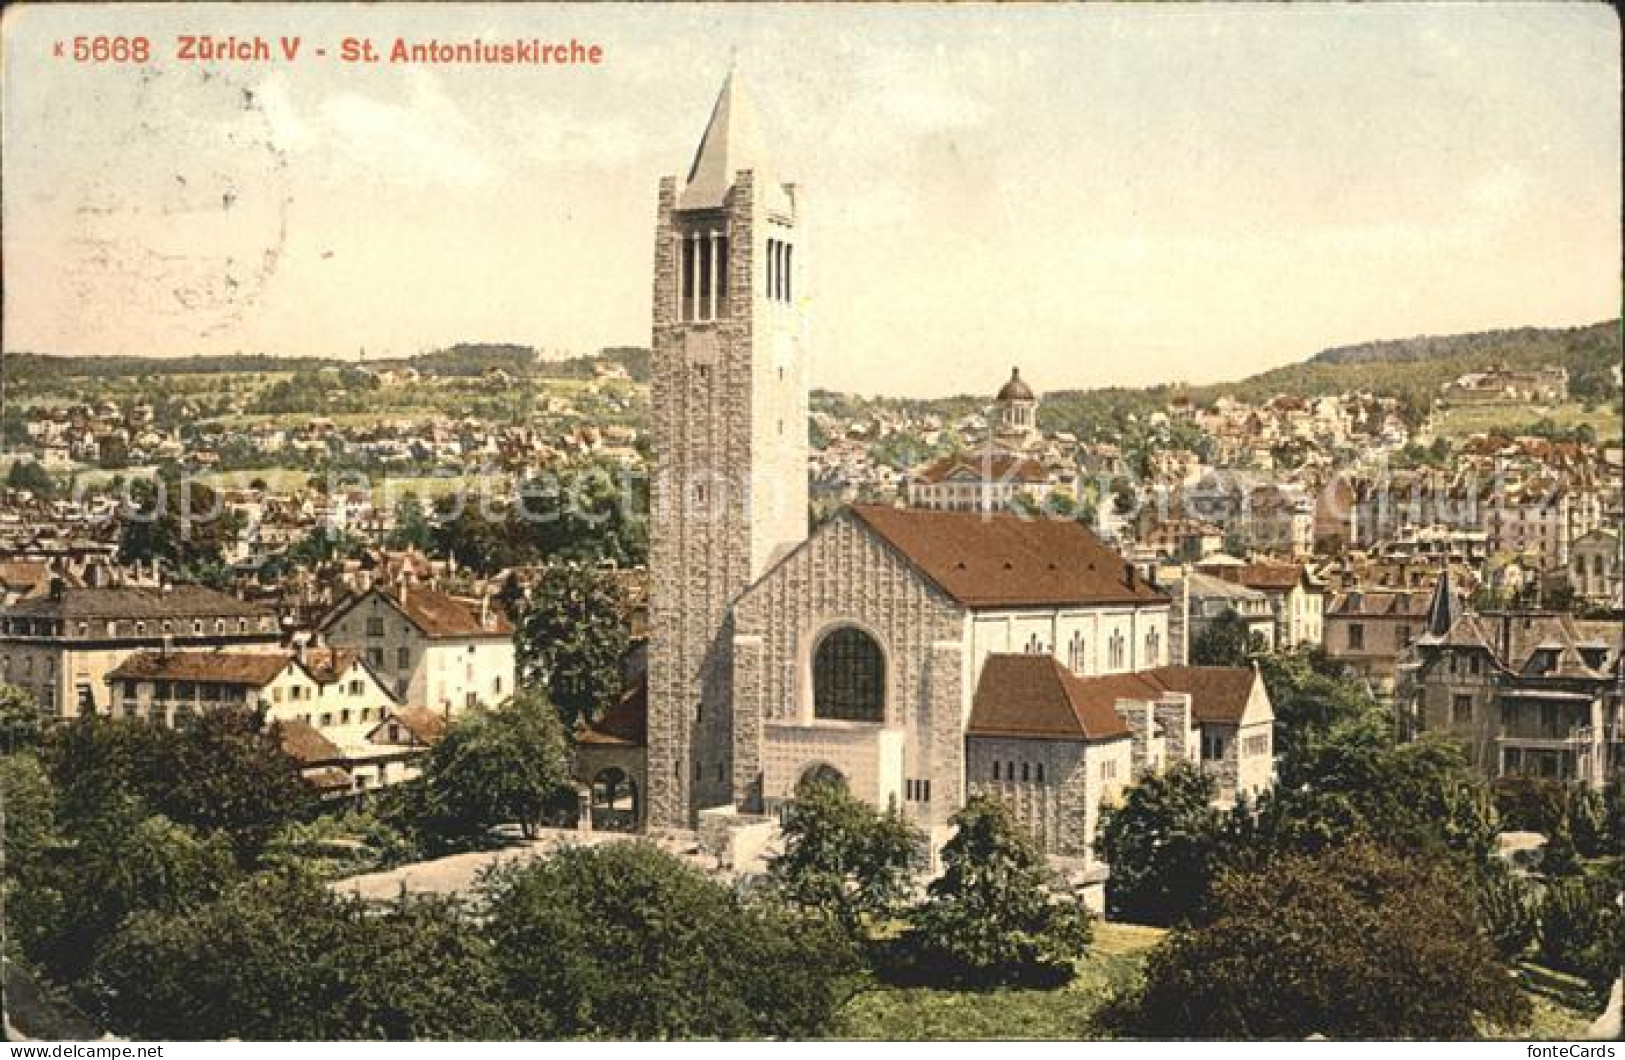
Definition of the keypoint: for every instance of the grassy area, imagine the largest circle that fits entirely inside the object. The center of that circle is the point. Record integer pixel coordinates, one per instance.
(1465, 420)
(924, 1013)
(1563, 1007)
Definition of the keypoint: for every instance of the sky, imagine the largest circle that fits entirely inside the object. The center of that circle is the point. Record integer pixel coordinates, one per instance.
(1102, 194)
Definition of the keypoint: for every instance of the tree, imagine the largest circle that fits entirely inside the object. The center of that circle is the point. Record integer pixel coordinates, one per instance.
(1163, 844)
(1224, 642)
(1358, 783)
(1355, 942)
(573, 638)
(19, 719)
(281, 957)
(185, 524)
(412, 526)
(30, 476)
(222, 771)
(993, 916)
(841, 858)
(625, 941)
(1582, 929)
(123, 861)
(492, 767)
(1506, 907)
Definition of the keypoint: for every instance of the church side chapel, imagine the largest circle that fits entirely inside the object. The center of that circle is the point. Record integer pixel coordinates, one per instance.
(917, 655)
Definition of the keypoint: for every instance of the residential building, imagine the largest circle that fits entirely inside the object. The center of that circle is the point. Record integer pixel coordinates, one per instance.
(429, 648)
(62, 645)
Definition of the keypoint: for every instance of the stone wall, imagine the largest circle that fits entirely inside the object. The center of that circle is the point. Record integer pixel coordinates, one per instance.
(844, 574)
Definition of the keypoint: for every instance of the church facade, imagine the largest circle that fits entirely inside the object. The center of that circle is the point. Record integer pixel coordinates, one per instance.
(918, 656)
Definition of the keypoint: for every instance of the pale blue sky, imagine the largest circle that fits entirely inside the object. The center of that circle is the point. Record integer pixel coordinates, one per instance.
(1102, 194)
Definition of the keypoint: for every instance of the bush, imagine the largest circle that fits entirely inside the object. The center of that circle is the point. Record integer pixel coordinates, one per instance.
(1162, 844)
(625, 941)
(993, 917)
(1354, 942)
(1581, 930)
(842, 858)
(1506, 905)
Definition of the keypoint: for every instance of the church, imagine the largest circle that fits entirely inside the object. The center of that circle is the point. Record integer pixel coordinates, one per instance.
(918, 656)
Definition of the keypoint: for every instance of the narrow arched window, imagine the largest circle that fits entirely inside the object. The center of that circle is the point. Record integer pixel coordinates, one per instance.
(849, 677)
(995, 769)
(789, 270)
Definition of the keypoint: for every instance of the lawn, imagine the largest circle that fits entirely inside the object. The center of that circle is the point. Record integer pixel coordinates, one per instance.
(1563, 1007)
(924, 1013)
(1465, 420)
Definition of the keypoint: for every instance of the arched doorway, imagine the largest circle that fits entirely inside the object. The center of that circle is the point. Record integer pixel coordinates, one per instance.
(614, 801)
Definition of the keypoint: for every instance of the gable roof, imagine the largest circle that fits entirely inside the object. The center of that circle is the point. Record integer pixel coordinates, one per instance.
(301, 740)
(984, 467)
(987, 560)
(434, 613)
(1218, 693)
(250, 669)
(1035, 697)
(422, 724)
(137, 601)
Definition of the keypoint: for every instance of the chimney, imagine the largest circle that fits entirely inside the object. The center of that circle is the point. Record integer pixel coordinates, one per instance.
(485, 610)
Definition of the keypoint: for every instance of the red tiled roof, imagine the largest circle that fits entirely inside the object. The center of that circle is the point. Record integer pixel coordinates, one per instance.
(326, 665)
(436, 614)
(425, 726)
(1035, 697)
(302, 741)
(624, 724)
(994, 467)
(1218, 693)
(254, 669)
(998, 560)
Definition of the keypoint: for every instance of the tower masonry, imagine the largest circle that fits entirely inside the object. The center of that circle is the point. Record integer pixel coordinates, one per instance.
(730, 440)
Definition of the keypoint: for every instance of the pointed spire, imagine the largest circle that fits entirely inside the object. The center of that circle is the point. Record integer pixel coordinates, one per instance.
(729, 145)
(1442, 608)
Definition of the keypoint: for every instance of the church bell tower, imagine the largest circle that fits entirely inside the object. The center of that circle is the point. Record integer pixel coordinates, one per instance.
(729, 433)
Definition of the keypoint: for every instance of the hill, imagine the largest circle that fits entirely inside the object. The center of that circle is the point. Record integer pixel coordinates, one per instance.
(1414, 369)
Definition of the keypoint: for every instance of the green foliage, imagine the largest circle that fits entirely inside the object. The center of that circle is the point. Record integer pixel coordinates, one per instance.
(347, 843)
(282, 958)
(841, 858)
(573, 637)
(509, 765)
(1582, 929)
(31, 476)
(1506, 905)
(220, 772)
(1559, 857)
(1355, 942)
(588, 513)
(123, 861)
(1360, 784)
(993, 915)
(20, 724)
(1222, 643)
(1163, 843)
(624, 941)
(28, 801)
(186, 525)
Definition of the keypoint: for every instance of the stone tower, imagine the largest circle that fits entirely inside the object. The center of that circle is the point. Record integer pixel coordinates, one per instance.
(730, 441)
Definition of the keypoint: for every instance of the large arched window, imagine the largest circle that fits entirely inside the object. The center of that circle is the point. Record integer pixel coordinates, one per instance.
(849, 677)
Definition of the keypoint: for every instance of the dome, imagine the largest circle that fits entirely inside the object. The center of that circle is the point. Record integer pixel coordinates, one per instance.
(1015, 389)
